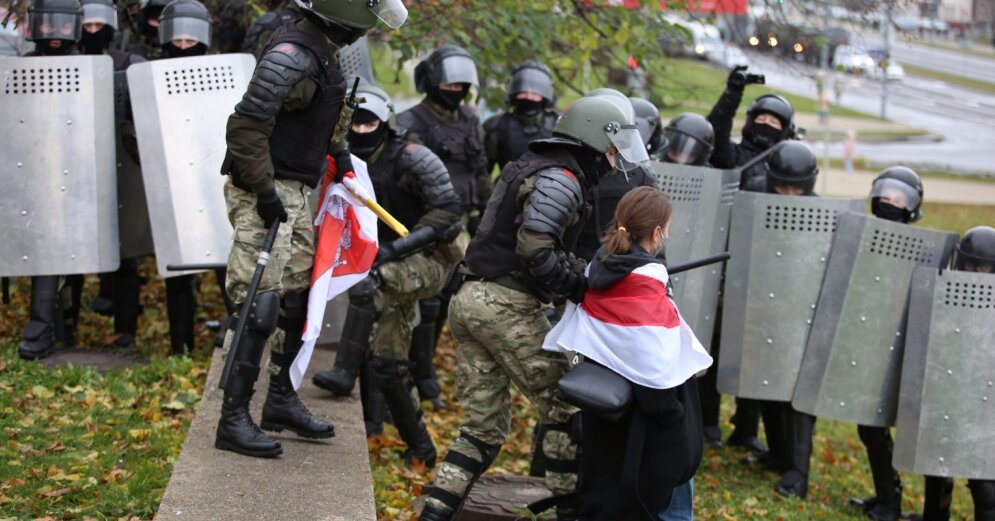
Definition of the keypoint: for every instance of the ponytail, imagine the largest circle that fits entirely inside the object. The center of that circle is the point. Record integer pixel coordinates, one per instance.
(639, 212)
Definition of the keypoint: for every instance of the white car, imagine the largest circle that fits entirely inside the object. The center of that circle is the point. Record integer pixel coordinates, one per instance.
(730, 57)
(854, 60)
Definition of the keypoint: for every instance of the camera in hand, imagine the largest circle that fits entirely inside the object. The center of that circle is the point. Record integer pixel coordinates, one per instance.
(758, 79)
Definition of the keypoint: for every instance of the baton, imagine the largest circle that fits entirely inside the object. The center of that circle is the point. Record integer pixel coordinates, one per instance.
(250, 296)
(357, 190)
(704, 261)
(759, 158)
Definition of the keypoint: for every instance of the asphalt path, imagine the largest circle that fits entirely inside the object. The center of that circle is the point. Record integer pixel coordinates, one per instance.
(906, 51)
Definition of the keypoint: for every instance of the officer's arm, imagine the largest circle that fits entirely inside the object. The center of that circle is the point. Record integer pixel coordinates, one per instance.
(412, 129)
(491, 141)
(721, 116)
(280, 81)
(553, 205)
(485, 185)
(436, 189)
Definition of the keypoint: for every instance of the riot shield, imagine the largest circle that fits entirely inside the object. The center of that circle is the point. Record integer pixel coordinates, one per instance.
(134, 228)
(58, 210)
(181, 108)
(779, 246)
(851, 367)
(702, 202)
(355, 60)
(946, 406)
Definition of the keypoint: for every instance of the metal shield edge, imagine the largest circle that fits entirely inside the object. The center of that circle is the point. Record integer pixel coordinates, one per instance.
(913, 368)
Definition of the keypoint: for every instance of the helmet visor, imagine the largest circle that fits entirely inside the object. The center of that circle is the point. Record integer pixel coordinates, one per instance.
(896, 193)
(631, 150)
(47, 25)
(100, 13)
(185, 29)
(458, 69)
(685, 149)
(391, 12)
(375, 104)
(530, 79)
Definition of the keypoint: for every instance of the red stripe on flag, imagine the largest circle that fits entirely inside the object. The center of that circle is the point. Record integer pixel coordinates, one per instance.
(636, 300)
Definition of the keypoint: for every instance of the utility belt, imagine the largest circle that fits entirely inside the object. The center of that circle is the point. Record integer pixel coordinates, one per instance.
(508, 280)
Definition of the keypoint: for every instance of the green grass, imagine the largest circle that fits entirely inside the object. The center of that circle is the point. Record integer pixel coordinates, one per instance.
(861, 164)
(955, 217)
(77, 444)
(970, 83)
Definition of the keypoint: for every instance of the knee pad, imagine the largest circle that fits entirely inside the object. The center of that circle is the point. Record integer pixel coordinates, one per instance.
(264, 314)
(293, 311)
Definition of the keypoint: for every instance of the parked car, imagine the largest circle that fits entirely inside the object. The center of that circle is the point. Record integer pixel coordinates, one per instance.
(730, 57)
(853, 60)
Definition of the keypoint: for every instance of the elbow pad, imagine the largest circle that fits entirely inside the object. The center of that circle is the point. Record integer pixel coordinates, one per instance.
(555, 275)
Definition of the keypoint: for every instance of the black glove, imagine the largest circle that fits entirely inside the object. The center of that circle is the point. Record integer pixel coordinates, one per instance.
(343, 164)
(577, 295)
(737, 79)
(270, 208)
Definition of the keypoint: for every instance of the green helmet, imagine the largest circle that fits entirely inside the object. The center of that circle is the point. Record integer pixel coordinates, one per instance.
(617, 98)
(357, 14)
(600, 123)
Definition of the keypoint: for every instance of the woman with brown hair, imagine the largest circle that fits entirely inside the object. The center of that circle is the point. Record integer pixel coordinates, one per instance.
(628, 324)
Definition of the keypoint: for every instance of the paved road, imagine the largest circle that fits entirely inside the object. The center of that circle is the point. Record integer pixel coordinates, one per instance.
(964, 118)
(943, 60)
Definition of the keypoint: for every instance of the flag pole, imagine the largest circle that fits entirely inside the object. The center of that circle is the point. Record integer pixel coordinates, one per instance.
(357, 190)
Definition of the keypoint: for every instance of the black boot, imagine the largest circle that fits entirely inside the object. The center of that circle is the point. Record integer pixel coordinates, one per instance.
(983, 494)
(794, 482)
(71, 301)
(355, 341)
(39, 335)
(445, 503)
(939, 494)
(422, 352)
(104, 303)
(394, 381)
(373, 402)
(236, 430)
(283, 408)
(181, 306)
(126, 290)
(747, 421)
(887, 484)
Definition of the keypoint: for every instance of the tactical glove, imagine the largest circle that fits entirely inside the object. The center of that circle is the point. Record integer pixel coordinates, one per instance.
(737, 79)
(343, 164)
(270, 208)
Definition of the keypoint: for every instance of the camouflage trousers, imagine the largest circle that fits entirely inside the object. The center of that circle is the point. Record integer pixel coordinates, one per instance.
(499, 333)
(290, 261)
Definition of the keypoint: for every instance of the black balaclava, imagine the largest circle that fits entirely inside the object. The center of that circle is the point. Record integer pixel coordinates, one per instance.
(449, 99)
(173, 51)
(365, 145)
(764, 135)
(527, 107)
(98, 42)
(890, 212)
(63, 50)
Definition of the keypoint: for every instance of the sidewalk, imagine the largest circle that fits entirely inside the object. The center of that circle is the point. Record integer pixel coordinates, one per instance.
(326, 480)
(858, 184)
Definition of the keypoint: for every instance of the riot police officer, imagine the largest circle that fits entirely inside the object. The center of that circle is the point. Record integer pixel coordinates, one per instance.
(518, 260)
(290, 118)
(278, 13)
(690, 140)
(648, 119)
(413, 185)
(896, 195)
(148, 28)
(532, 98)
(769, 120)
(55, 27)
(975, 252)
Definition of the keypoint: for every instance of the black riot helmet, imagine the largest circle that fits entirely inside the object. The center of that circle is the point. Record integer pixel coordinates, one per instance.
(104, 13)
(185, 20)
(792, 164)
(896, 194)
(976, 250)
(449, 64)
(777, 106)
(690, 140)
(532, 76)
(648, 121)
(60, 20)
(148, 19)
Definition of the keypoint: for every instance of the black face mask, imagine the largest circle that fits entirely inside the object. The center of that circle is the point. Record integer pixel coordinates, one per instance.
(765, 135)
(890, 213)
(364, 145)
(96, 43)
(527, 107)
(63, 50)
(449, 99)
(173, 51)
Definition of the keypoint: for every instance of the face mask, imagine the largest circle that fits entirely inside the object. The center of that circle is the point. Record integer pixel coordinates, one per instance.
(364, 145)
(173, 51)
(765, 135)
(891, 213)
(527, 107)
(63, 50)
(96, 43)
(449, 99)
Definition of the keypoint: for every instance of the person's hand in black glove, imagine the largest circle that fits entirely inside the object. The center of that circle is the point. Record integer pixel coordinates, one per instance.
(270, 208)
(737, 78)
(343, 164)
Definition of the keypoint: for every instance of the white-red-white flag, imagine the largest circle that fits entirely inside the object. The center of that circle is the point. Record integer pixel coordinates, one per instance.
(345, 249)
(634, 329)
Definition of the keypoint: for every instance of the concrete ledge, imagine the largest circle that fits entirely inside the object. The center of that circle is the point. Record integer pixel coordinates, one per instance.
(326, 480)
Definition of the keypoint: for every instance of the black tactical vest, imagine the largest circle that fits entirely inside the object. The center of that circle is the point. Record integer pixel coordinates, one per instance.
(386, 177)
(299, 141)
(604, 199)
(515, 133)
(491, 253)
(458, 144)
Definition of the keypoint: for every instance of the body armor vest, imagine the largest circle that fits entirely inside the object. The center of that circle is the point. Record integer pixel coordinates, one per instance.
(458, 144)
(386, 174)
(604, 199)
(491, 253)
(300, 139)
(514, 133)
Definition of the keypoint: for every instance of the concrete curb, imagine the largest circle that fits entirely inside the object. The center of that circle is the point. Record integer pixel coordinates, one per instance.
(326, 480)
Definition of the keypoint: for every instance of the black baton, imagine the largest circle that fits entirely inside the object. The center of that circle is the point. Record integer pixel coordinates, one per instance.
(250, 296)
(704, 261)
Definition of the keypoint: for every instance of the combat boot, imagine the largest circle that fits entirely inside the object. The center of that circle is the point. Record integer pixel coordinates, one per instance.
(887, 484)
(354, 343)
(422, 353)
(373, 402)
(794, 482)
(236, 430)
(39, 335)
(394, 381)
